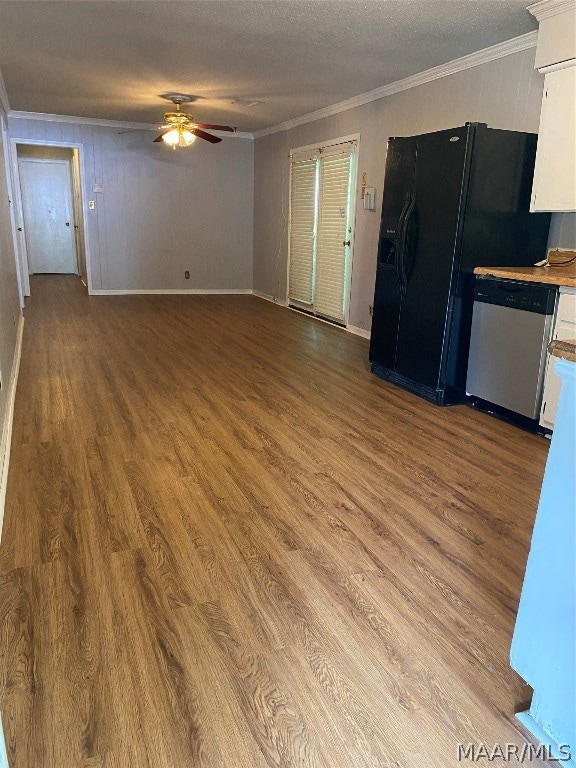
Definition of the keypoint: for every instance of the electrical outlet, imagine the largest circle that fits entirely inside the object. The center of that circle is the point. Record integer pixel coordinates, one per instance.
(186, 275)
(371, 309)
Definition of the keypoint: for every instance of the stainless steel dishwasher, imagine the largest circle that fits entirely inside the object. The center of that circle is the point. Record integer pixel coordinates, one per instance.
(511, 328)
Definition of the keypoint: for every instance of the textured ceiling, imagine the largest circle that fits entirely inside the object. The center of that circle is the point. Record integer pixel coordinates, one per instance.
(112, 59)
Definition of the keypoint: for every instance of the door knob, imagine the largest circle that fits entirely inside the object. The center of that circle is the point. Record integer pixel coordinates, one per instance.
(346, 242)
(19, 229)
(67, 223)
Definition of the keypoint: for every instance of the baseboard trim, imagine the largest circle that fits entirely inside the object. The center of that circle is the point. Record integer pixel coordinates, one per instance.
(357, 331)
(8, 420)
(272, 299)
(282, 303)
(171, 291)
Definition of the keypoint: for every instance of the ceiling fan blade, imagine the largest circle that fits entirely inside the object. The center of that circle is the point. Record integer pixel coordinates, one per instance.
(207, 136)
(216, 127)
(159, 138)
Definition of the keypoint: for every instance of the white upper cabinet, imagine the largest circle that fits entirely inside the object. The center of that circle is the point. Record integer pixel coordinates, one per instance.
(554, 185)
(556, 38)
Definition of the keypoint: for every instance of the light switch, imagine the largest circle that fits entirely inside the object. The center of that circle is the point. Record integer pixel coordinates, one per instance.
(369, 199)
(91, 204)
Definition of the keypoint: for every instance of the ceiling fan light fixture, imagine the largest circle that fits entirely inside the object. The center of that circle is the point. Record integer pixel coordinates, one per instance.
(172, 137)
(186, 138)
(180, 130)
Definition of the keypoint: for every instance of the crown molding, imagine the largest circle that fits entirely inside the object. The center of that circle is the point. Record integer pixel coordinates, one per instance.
(4, 103)
(499, 51)
(545, 9)
(48, 118)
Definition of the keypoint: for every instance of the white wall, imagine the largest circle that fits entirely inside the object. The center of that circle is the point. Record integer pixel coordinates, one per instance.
(162, 211)
(563, 231)
(9, 320)
(505, 94)
(9, 301)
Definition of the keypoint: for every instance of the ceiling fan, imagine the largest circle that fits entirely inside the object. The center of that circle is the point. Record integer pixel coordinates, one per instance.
(180, 130)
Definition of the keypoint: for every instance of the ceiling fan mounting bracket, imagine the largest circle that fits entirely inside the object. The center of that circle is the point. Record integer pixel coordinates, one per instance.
(177, 118)
(177, 98)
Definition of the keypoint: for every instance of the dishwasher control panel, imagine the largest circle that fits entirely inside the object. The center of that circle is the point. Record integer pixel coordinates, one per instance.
(531, 297)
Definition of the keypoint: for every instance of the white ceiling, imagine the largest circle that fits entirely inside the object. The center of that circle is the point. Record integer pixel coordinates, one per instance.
(113, 59)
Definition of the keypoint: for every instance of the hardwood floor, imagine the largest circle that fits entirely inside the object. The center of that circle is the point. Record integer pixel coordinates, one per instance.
(227, 544)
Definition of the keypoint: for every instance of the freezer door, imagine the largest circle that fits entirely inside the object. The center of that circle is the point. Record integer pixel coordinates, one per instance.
(430, 257)
(398, 184)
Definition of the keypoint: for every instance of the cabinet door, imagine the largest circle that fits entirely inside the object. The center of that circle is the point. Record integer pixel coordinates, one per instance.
(564, 330)
(554, 187)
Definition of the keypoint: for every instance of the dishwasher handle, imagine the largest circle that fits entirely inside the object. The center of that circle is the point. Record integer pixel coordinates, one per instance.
(510, 287)
(529, 297)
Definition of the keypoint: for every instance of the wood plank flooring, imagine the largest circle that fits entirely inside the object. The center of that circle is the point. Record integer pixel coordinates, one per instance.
(227, 544)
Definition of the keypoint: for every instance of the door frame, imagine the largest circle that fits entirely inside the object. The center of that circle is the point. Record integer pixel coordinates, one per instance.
(352, 217)
(79, 239)
(78, 176)
(13, 205)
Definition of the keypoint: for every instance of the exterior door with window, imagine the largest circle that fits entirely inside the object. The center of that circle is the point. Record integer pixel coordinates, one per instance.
(321, 194)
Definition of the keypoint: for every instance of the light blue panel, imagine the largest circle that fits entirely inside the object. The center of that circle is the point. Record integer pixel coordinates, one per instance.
(3, 755)
(561, 754)
(544, 644)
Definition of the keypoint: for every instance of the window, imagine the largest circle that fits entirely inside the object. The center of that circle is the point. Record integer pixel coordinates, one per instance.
(321, 193)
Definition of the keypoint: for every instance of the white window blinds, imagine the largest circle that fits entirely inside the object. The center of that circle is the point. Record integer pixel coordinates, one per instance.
(302, 230)
(320, 227)
(331, 251)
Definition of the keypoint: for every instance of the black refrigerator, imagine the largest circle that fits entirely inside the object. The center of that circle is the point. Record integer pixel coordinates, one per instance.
(452, 200)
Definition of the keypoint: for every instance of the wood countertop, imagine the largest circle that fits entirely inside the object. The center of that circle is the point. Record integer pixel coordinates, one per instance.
(565, 276)
(552, 275)
(563, 349)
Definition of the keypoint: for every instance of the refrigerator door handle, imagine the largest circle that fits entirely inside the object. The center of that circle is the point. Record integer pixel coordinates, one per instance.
(402, 240)
(407, 212)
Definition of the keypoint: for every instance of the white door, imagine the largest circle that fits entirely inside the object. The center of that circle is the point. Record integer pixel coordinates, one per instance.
(321, 215)
(333, 237)
(48, 215)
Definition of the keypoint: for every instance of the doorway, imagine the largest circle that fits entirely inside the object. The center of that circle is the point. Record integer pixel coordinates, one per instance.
(322, 191)
(51, 224)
